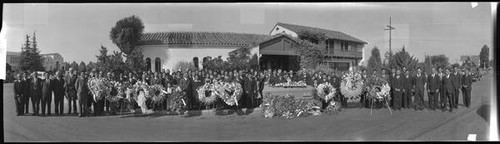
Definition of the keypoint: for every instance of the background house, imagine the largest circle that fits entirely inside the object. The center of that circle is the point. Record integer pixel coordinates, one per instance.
(163, 50)
(342, 50)
(51, 61)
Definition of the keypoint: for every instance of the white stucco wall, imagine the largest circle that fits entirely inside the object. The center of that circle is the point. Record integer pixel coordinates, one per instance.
(170, 56)
(281, 30)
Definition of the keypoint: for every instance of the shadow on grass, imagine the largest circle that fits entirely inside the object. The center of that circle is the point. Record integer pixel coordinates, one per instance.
(484, 112)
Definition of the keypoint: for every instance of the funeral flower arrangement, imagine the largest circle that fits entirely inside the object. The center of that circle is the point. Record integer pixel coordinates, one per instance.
(378, 89)
(176, 100)
(140, 86)
(352, 85)
(285, 106)
(156, 92)
(230, 93)
(326, 91)
(207, 93)
(291, 84)
(99, 88)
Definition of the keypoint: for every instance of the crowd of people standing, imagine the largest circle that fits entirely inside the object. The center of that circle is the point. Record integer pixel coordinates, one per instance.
(407, 88)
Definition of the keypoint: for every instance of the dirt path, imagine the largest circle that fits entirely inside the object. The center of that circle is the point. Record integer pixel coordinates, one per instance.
(350, 124)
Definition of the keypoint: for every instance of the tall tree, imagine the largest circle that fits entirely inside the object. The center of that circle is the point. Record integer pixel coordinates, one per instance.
(82, 67)
(30, 56)
(311, 54)
(428, 65)
(403, 58)
(74, 65)
(440, 61)
(102, 59)
(484, 56)
(90, 66)
(375, 62)
(126, 34)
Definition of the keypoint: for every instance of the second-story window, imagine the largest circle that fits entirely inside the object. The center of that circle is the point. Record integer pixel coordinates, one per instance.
(327, 46)
(332, 46)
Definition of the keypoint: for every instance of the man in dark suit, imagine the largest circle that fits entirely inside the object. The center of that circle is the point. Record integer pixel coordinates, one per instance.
(36, 92)
(391, 83)
(442, 92)
(457, 84)
(408, 88)
(58, 86)
(398, 89)
(448, 84)
(18, 95)
(25, 87)
(46, 94)
(184, 85)
(419, 81)
(433, 83)
(70, 80)
(82, 94)
(249, 85)
(466, 88)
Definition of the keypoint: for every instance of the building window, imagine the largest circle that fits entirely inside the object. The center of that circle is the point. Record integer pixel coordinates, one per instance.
(332, 46)
(148, 64)
(327, 46)
(342, 66)
(157, 64)
(344, 46)
(195, 62)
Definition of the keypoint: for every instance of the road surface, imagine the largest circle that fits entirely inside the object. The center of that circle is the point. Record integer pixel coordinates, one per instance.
(349, 124)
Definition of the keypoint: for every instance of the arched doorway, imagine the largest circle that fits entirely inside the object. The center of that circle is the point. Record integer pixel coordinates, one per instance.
(148, 64)
(157, 64)
(195, 62)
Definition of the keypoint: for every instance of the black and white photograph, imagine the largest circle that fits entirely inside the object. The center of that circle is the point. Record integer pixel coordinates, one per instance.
(249, 72)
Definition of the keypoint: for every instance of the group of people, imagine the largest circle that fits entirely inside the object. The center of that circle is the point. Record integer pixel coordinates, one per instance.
(407, 90)
(73, 86)
(443, 87)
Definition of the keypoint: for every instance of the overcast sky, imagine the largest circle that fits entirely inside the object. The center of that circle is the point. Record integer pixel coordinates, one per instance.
(76, 31)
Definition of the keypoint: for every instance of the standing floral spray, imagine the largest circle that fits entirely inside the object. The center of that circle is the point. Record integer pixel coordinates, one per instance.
(352, 85)
(99, 88)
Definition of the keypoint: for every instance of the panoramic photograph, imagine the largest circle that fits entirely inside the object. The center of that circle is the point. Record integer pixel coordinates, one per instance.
(248, 72)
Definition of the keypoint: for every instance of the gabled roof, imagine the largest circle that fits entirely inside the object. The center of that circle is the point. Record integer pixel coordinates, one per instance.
(329, 33)
(202, 38)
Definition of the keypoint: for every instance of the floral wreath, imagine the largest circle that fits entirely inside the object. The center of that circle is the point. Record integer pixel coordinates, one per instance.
(326, 91)
(207, 89)
(119, 88)
(225, 90)
(156, 93)
(352, 86)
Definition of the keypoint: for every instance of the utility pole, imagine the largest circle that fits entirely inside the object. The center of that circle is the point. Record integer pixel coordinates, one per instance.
(390, 28)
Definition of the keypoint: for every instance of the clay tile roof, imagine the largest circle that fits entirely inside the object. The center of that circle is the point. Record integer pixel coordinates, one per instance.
(202, 38)
(329, 33)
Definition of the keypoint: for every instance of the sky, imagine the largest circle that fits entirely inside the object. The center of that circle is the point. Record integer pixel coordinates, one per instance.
(76, 31)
